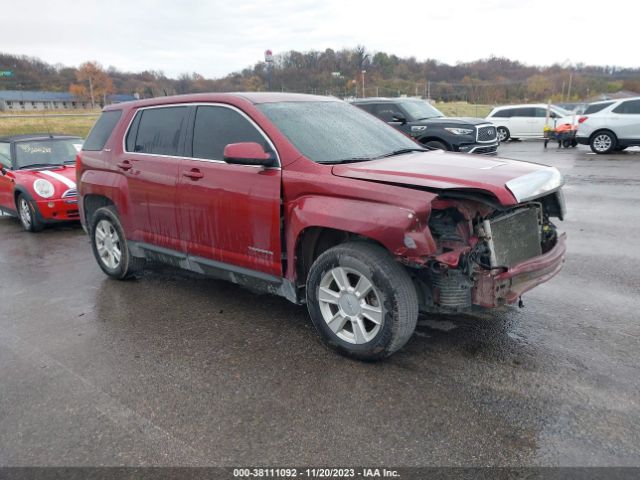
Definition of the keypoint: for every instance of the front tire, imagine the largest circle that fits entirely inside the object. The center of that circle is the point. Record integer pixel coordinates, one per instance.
(603, 142)
(28, 214)
(503, 134)
(110, 245)
(435, 145)
(361, 301)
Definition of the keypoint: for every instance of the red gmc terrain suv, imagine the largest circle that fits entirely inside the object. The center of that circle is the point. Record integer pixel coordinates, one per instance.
(315, 200)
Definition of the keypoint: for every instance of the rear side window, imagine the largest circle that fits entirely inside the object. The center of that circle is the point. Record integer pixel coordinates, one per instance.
(217, 127)
(631, 107)
(523, 112)
(596, 107)
(102, 130)
(159, 131)
(506, 113)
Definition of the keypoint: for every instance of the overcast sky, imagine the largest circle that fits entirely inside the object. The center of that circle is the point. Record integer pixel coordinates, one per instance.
(217, 37)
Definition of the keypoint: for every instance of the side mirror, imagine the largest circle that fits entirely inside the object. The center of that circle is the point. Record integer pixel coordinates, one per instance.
(248, 153)
(399, 119)
(3, 170)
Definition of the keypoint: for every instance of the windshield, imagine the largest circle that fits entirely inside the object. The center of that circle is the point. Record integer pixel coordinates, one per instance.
(49, 152)
(417, 109)
(331, 132)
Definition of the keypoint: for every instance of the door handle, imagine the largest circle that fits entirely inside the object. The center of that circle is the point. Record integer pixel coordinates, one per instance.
(193, 174)
(124, 165)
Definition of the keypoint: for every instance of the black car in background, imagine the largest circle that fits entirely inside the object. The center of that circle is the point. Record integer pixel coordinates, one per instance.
(427, 125)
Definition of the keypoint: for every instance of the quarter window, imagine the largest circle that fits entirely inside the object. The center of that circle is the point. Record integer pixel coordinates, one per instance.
(101, 131)
(216, 127)
(159, 131)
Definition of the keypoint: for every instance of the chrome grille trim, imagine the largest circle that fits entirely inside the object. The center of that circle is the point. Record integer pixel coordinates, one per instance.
(486, 133)
(72, 192)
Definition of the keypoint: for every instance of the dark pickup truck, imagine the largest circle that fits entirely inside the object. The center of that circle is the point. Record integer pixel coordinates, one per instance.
(427, 125)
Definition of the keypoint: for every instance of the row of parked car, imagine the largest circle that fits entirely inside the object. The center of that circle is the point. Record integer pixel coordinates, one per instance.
(305, 197)
(606, 126)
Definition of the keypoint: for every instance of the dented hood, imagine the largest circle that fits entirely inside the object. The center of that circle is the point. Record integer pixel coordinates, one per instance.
(444, 171)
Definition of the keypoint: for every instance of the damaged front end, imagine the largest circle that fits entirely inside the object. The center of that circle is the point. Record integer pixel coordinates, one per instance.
(488, 255)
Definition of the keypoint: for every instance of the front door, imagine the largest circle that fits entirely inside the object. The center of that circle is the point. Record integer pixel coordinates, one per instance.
(6, 179)
(229, 213)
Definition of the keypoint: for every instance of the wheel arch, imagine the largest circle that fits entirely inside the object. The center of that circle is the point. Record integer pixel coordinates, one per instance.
(602, 130)
(91, 203)
(433, 138)
(315, 240)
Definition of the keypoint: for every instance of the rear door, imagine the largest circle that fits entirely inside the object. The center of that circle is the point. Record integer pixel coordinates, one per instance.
(228, 213)
(150, 163)
(539, 121)
(625, 120)
(522, 122)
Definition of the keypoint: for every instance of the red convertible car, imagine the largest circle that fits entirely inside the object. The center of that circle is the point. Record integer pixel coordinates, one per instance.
(37, 180)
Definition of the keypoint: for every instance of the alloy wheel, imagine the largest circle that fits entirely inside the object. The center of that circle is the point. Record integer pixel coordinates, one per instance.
(602, 142)
(108, 244)
(350, 305)
(25, 213)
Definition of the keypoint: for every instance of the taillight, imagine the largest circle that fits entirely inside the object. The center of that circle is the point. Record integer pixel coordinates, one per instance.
(78, 169)
(582, 119)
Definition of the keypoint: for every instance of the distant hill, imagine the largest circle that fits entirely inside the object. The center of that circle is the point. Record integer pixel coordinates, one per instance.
(492, 80)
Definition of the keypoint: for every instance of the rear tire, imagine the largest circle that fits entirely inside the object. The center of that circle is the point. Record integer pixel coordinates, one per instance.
(28, 214)
(361, 301)
(110, 245)
(503, 134)
(603, 142)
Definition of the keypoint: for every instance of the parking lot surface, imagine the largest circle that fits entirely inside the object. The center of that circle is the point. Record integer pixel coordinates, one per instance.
(174, 369)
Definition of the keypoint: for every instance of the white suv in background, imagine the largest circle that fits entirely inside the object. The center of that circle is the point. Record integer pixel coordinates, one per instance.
(527, 121)
(611, 125)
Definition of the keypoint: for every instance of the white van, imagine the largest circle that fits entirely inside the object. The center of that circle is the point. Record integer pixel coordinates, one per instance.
(527, 121)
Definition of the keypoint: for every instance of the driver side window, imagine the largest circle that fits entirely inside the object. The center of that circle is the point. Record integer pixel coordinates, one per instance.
(5, 154)
(386, 112)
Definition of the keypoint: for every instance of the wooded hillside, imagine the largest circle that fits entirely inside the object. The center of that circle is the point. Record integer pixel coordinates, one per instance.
(492, 80)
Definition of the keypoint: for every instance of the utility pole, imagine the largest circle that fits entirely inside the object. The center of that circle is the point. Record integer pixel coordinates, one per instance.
(429, 90)
(93, 104)
(363, 72)
(562, 96)
(268, 60)
(569, 88)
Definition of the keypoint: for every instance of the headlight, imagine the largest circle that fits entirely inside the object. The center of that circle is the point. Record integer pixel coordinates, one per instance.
(535, 184)
(460, 131)
(43, 188)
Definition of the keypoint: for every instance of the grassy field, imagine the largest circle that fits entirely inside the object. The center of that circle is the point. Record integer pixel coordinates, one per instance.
(79, 123)
(463, 109)
(37, 122)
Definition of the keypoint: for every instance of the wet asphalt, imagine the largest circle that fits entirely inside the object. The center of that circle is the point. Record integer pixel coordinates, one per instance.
(174, 369)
